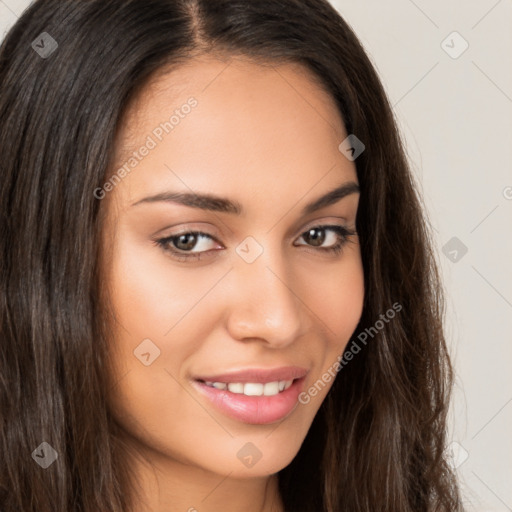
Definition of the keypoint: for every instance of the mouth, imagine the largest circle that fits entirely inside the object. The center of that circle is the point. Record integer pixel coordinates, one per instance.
(255, 396)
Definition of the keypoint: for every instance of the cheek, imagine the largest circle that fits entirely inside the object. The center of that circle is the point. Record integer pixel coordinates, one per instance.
(338, 306)
(154, 302)
(151, 294)
(157, 305)
(343, 304)
(336, 297)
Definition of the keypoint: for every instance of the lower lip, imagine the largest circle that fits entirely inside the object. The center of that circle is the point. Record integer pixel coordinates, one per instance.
(257, 410)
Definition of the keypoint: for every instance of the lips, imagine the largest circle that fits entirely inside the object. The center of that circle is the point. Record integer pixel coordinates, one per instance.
(256, 396)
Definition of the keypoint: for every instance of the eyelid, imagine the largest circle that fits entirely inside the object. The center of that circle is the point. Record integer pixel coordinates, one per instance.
(184, 228)
(325, 223)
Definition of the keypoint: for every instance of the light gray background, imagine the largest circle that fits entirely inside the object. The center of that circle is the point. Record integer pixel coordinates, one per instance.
(456, 118)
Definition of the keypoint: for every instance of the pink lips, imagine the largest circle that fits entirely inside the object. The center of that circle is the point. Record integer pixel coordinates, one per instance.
(254, 409)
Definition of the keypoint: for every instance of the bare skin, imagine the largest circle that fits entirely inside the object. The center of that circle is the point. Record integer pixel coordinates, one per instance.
(268, 139)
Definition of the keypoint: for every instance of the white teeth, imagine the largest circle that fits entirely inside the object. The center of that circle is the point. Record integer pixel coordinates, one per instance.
(271, 388)
(236, 387)
(253, 388)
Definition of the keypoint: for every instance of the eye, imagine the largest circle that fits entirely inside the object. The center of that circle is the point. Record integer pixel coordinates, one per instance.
(182, 243)
(194, 244)
(316, 236)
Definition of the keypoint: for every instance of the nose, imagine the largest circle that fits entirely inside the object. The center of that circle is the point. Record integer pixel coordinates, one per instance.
(264, 303)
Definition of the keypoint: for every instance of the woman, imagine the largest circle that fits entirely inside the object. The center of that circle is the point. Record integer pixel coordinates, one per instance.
(218, 286)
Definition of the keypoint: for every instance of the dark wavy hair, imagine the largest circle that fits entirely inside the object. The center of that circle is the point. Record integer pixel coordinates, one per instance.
(377, 442)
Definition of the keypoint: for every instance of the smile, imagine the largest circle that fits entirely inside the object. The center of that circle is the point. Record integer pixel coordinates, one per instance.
(254, 396)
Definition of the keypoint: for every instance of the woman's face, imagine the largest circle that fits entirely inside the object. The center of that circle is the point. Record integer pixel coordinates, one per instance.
(259, 304)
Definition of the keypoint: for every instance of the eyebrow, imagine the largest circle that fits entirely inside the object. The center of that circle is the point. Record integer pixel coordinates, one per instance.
(215, 203)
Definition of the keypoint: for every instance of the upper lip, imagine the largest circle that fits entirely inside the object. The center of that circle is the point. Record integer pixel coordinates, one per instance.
(257, 375)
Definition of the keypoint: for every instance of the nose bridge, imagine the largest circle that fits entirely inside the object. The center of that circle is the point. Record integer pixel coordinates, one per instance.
(265, 304)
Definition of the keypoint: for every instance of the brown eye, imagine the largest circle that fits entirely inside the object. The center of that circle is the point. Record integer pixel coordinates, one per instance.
(315, 236)
(334, 236)
(185, 242)
(191, 244)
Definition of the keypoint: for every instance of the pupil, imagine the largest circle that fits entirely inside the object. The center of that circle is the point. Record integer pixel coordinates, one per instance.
(316, 239)
(182, 240)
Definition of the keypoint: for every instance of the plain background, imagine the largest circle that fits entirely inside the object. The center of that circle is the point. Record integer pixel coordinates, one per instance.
(455, 113)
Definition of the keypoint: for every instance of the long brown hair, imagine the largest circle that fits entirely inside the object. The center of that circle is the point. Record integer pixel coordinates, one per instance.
(377, 441)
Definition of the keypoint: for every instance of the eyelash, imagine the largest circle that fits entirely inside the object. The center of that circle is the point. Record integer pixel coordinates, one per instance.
(336, 249)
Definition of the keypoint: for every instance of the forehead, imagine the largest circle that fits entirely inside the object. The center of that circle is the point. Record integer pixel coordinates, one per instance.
(252, 126)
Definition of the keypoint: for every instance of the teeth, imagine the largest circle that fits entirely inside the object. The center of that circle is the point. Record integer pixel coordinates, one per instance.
(236, 388)
(253, 388)
(271, 388)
